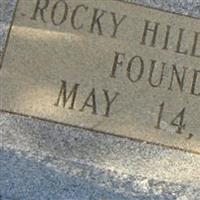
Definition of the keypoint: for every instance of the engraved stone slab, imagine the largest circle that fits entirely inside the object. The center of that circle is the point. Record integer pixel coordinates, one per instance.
(108, 66)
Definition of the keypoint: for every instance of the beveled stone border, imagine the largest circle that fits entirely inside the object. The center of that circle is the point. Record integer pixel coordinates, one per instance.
(8, 35)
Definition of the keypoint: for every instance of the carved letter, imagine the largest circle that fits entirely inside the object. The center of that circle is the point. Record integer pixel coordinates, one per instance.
(180, 38)
(130, 67)
(116, 23)
(109, 101)
(165, 47)
(74, 14)
(154, 30)
(153, 65)
(179, 79)
(96, 21)
(40, 9)
(92, 96)
(196, 72)
(116, 63)
(63, 95)
(194, 48)
(63, 19)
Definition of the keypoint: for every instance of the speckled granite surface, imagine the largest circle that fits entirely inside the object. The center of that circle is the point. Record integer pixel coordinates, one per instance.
(41, 160)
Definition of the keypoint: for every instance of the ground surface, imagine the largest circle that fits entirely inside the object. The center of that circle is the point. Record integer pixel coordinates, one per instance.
(44, 161)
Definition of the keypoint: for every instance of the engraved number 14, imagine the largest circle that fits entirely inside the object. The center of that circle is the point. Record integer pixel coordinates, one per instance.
(177, 121)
